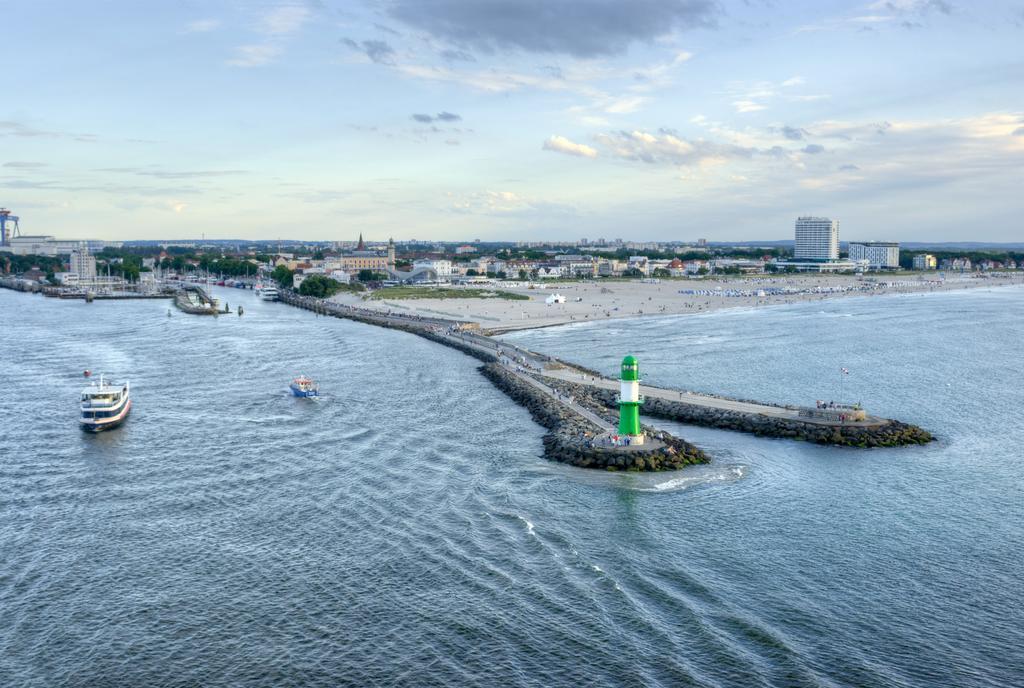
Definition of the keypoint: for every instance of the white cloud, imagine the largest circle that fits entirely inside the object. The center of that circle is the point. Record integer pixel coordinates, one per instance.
(747, 106)
(202, 26)
(561, 144)
(284, 20)
(620, 106)
(668, 147)
(254, 55)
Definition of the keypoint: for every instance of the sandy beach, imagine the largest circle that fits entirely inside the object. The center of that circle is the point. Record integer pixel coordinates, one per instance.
(602, 300)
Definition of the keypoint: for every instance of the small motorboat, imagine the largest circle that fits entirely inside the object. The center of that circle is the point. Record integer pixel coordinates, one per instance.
(303, 386)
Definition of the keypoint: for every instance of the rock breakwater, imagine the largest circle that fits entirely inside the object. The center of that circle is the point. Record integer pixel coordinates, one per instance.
(886, 433)
(571, 438)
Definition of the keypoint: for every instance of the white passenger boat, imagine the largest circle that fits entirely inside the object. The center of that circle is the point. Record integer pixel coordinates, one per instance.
(104, 405)
(268, 292)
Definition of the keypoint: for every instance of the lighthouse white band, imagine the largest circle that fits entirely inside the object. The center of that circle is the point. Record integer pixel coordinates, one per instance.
(630, 390)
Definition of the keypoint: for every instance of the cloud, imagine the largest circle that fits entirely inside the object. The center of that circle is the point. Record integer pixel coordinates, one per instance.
(581, 29)
(284, 20)
(378, 51)
(912, 6)
(20, 165)
(202, 26)
(747, 106)
(453, 55)
(171, 174)
(560, 144)
(439, 117)
(1019, 131)
(848, 168)
(813, 149)
(254, 55)
(793, 133)
(668, 147)
(12, 128)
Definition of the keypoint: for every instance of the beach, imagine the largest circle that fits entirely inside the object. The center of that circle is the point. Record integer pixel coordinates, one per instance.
(588, 301)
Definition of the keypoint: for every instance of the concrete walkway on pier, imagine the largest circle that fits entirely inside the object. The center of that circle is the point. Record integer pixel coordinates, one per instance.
(570, 375)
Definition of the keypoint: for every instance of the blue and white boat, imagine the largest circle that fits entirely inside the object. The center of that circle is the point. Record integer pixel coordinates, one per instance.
(303, 386)
(105, 406)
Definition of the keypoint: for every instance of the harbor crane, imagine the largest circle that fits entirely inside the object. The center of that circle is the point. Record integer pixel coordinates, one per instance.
(7, 219)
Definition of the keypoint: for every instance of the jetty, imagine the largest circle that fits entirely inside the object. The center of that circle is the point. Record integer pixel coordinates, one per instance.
(578, 406)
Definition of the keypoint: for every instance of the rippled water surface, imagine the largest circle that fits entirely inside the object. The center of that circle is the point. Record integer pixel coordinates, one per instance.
(405, 530)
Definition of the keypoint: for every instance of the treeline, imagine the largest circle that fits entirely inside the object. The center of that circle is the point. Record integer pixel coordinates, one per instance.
(321, 287)
(180, 259)
(12, 264)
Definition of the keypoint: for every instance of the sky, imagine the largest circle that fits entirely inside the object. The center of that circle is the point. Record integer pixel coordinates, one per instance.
(647, 120)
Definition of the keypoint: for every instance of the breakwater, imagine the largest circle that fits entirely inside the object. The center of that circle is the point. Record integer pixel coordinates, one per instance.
(574, 440)
(571, 439)
(883, 433)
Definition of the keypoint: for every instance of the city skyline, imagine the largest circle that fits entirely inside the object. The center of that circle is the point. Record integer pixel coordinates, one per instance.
(654, 121)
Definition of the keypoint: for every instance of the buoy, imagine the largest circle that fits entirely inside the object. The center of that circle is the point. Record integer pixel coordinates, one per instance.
(87, 373)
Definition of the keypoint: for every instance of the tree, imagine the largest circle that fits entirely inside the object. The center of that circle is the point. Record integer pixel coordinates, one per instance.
(471, 273)
(370, 276)
(283, 276)
(319, 286)
(632, 272)
(661, 272)
(523, 274)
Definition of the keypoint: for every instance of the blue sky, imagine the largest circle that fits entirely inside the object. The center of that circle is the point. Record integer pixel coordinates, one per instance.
(513, 119)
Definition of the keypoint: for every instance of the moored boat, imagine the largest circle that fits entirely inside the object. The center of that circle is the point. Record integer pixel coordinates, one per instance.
(104, 405)
(303, 386)
(268, 293)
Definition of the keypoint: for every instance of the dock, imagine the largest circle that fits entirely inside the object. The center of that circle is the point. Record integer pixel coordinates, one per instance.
(194, 300)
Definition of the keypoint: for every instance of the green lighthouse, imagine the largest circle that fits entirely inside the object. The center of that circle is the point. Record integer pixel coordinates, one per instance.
(629, 401)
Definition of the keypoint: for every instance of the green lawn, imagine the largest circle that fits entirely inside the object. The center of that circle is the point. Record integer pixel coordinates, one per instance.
(443, 293)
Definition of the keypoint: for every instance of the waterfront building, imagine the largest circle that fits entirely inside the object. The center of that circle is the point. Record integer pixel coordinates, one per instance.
(83, 264)
(640, 263)
(925, 261)
(822, 266)
(363, 258)
(817, 238)
(442, 268)
(880, 255)
(961, 264)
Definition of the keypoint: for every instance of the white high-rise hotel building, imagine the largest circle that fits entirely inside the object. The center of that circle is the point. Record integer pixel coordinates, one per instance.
(817, 238)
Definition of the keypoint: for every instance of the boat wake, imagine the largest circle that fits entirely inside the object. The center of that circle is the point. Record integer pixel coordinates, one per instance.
(695, 478)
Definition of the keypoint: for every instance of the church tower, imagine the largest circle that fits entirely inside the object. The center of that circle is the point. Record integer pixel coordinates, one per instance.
(361, 246)
(391, 254)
